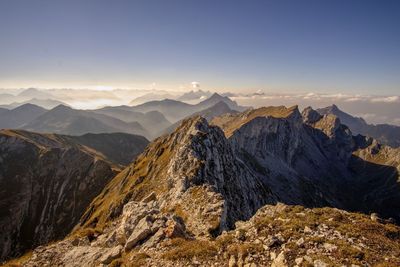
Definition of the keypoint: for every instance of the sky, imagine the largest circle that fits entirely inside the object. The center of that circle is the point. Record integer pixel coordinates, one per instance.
(349, 46)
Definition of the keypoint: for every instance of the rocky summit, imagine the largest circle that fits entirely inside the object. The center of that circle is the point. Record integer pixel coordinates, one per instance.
(266, 187)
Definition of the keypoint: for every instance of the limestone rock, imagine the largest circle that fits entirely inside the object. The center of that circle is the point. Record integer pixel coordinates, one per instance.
(141, 231)
(111, 255)
(279, 261)
(174, 228)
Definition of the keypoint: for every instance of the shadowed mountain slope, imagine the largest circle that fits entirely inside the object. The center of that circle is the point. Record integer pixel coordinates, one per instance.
(48, 180)
(152, 121)
(120, 148)
(46, 183)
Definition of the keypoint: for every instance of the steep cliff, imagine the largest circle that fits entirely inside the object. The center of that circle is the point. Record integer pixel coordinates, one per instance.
(46, 183)
(295, 158)
(376, 170)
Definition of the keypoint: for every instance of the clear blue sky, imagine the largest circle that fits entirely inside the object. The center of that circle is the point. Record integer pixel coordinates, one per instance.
(350, 46)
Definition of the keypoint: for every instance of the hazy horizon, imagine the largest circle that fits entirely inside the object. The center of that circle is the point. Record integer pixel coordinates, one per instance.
(375, 109)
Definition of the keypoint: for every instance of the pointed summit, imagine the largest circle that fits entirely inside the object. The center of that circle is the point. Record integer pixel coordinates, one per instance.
(195, 172)
(310, 115)
(216, 96)
(63, 109)
(214, 99)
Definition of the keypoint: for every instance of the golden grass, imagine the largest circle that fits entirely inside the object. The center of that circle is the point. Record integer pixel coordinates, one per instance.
(179, 249)
(231, 122)
(18, 262)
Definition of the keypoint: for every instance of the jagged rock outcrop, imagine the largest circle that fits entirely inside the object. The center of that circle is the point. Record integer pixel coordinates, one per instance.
(195, 173)
(46, 183)
(292, 156)
(314, 159)
(310, 115)
(340, 138)
(384, 133)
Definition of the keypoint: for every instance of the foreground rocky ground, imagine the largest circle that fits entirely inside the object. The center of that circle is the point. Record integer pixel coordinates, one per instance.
(277, 235)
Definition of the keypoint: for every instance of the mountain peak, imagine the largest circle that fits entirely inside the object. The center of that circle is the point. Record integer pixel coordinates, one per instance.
(216, 96)
(310, 115)
(27, 106)
(192, 125)
(62, 107)
(193, 167)
(334, 108)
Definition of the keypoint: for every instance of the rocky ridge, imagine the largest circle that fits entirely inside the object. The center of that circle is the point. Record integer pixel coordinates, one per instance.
(191, 168)
(291, 155)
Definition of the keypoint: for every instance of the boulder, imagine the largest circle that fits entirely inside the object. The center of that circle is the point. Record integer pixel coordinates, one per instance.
(111, 255)
(175, 228)
(141, 232)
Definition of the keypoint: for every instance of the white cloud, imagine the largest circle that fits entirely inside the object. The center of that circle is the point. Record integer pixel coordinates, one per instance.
(387, 99)
(195, 85)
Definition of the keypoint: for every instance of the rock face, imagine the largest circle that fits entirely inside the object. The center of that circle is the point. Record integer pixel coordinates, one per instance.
(292, 156)
(195, 173)
(377, 171)
(46, 184)
(314, 160)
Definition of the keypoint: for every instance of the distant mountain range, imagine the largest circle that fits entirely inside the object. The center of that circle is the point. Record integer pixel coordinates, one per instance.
(175, 110)
(195, 95)
(149, 97)
(65, 120)
(44, 103)
(152, 121)
(18, 117)
(149, 119)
